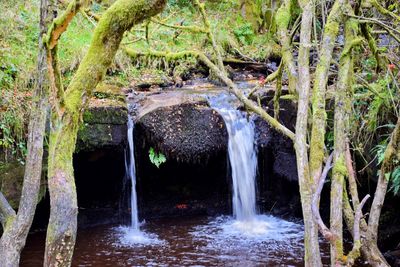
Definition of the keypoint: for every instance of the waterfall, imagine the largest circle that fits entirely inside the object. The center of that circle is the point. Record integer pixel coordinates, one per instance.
(131, 173)
(242, 157)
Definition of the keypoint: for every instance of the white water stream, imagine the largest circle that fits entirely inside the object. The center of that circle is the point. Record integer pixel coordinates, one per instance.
(131, 172)
(133, 235)
(242, 157)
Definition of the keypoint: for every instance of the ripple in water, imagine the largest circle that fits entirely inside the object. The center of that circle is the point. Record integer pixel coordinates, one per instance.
(261, 229)
(129, 237)
(191, 241)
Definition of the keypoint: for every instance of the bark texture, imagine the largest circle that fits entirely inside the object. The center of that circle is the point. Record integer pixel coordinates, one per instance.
(312, 254)
(317, 145)
(119, 18)
(341, 126)
(17, 227)
(283, 17)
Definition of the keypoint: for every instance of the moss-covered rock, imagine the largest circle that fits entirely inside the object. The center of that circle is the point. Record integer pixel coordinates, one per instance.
(104, 125)
(106, 114)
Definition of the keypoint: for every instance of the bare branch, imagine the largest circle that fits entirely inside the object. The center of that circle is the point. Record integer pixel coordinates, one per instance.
(355, 251)
(352, 176)
(315, 202)
(391, 153)
(273, 76)
(390, 30)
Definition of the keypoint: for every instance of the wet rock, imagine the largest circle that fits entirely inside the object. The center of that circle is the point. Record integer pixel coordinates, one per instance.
(278, 180)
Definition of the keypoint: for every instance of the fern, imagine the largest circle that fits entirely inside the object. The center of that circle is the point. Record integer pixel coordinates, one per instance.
(393, 176)
(395, 179)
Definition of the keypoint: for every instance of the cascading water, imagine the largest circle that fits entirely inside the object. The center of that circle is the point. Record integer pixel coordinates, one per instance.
(131, 173)
(243, 161)
(242, 157)
(132, 235)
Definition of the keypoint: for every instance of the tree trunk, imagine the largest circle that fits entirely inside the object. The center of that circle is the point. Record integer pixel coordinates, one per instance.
(283, 16)
(251, 12)
(317, 144)
(341, 125)
(312, 256)
(61, 232)
(15, 234)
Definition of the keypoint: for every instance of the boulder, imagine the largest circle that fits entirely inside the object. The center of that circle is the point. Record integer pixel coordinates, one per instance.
(186, 132)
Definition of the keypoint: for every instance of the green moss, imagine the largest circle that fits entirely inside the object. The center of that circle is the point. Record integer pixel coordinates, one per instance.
(106, 115)
(340, 166)
(283, 17)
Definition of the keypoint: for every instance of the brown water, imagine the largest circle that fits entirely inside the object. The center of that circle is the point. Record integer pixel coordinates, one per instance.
(198, 241)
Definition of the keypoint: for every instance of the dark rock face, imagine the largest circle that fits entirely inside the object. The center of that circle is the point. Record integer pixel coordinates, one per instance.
(278, 190)
(188, 132)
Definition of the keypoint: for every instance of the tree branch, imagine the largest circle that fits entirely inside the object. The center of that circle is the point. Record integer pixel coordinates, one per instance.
(315, 202)
(355, 251)
(390, 30)
(6, 211)
(383, 10)
(317, 143)
(60, 24)
(193, 29)
(210, 35)
(282, 20)
(391, 154)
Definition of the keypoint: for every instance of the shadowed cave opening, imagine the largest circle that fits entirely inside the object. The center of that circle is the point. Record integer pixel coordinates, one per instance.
(183, 188)
(173, 189)
(99, 177)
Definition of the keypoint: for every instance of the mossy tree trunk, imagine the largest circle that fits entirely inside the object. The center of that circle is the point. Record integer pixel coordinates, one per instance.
(317, 145)
(307, 187)
(119, 18)
(342, 111)
(283, 18)
(16, 226)
(251, 11)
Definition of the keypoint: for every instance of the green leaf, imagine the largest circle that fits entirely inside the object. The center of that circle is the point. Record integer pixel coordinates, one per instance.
(156, 158)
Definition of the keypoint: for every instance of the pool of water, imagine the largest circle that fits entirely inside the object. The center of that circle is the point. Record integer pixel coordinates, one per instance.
(196, 241)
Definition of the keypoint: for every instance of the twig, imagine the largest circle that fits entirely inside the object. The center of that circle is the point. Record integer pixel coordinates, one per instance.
(269, 79)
